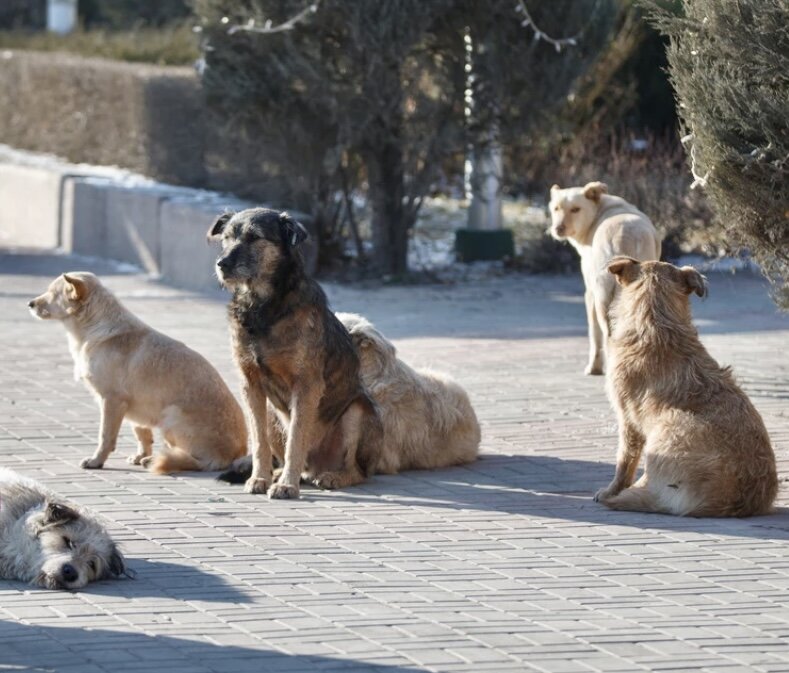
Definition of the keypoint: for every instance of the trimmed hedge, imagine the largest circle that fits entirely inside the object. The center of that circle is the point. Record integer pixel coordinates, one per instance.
(146, 118)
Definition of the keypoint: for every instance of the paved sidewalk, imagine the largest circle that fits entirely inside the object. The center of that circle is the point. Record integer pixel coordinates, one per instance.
(504, 565)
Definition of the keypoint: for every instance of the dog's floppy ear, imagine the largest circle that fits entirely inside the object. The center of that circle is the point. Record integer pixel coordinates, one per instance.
(694, 281)
(626, 269)
(594, 190)
(219, 224)
(76, 288)
(293, 233)
(117, 565)
(57, 512)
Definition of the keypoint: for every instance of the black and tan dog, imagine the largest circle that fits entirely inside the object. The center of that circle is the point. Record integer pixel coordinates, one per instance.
(297, 360)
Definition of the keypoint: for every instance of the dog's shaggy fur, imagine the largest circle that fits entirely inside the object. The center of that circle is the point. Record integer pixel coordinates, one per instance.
(138, 373)
(706, 449)
(49, 542)
(428, 420)
(427, 417)
(302, 384)
(600, 227)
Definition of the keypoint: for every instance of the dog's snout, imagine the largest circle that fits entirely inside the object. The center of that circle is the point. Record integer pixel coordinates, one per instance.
(69, 573)
(31, 303)
(223, 263)
(560, 229)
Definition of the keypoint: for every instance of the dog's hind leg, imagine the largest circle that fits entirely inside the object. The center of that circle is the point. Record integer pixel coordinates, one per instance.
(144, 445)
(112, 412)
(635, 499)
(173, 460)
(595, 365)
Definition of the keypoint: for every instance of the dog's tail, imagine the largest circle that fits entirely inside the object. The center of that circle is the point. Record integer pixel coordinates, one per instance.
(175, 460)
(239, 471)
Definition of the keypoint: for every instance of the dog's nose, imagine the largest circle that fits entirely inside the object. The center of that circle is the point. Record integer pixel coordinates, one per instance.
(31, 303)
(223, 263)
(69, 573)
(560, 230)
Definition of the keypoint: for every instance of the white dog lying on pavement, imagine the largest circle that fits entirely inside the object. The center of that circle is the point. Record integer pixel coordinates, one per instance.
(49, 542)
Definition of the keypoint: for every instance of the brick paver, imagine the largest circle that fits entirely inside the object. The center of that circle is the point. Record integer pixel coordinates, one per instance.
(503, 565)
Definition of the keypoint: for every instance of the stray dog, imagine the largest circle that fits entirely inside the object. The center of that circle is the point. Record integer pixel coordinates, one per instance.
(138, 373)
(600, 227)
(428, 420)
(707, 450)
(48, 542)
(427, 417)
(302, 383)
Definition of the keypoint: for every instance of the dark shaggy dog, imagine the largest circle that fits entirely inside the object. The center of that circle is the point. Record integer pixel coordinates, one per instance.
(301, 373)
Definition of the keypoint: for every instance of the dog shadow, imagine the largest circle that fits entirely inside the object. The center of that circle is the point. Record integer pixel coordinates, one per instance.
(149, 578)
(545, 487)
(54, 649)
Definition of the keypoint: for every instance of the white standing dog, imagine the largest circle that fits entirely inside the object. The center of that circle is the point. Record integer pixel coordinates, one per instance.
(600, 227)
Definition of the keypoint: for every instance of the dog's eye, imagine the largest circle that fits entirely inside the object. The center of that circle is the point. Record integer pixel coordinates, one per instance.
(69, 544)
(92, 566)
(575, 209)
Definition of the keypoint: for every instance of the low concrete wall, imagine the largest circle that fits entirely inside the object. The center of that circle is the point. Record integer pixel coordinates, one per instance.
(30, 200)
(100, 212)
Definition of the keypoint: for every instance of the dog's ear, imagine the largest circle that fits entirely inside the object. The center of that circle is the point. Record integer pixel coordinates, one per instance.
(56, 513)
(293, 233)
(117, 565)
(76, 289)
(625, 269)
(594, 190)
(694, 281)
(555, 188)
(219, 224)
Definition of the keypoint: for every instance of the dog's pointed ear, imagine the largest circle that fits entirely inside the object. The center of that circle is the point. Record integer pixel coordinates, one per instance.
(625, 269)
(57, 512)
(117, 564)
(694, 281)
(555, 188)
(76, 288)
(219, 224)
(594, 190)
(293, 233)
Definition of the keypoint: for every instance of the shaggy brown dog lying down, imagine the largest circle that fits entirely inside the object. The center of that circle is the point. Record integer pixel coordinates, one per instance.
(706, 447)
(138, 373)
(428, 420)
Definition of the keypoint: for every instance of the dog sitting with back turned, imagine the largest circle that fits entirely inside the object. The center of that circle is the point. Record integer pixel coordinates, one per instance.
(707, 452)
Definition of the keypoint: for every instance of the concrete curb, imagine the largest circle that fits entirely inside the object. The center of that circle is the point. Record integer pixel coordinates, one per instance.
(108, 213)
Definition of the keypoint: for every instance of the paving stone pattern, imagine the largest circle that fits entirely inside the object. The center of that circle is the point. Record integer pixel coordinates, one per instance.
(503, 565)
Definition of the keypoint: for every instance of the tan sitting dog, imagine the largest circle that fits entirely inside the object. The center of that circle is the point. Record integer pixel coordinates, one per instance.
(706, 449)
(427, 417)
(600, 227)
(149, 378)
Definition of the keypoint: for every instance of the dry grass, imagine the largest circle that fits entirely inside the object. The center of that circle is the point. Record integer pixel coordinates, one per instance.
(169, 45)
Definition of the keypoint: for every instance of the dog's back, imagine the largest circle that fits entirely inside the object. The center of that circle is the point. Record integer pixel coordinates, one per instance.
(707, 450)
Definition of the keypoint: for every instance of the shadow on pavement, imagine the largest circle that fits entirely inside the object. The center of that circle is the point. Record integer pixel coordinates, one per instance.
(54, 649)
(546, 487)
(161, 578)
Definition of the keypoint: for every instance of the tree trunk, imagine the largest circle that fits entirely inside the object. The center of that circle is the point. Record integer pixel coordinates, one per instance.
(386, 175)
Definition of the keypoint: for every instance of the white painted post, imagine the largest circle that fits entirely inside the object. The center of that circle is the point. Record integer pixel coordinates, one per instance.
(61, 16)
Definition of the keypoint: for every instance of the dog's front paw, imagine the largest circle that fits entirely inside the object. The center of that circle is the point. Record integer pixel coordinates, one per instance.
(594, 369)
(283, 492)
(135, 459)
(256, 485)
(91, 464)
(146, 461)
(328, 481)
